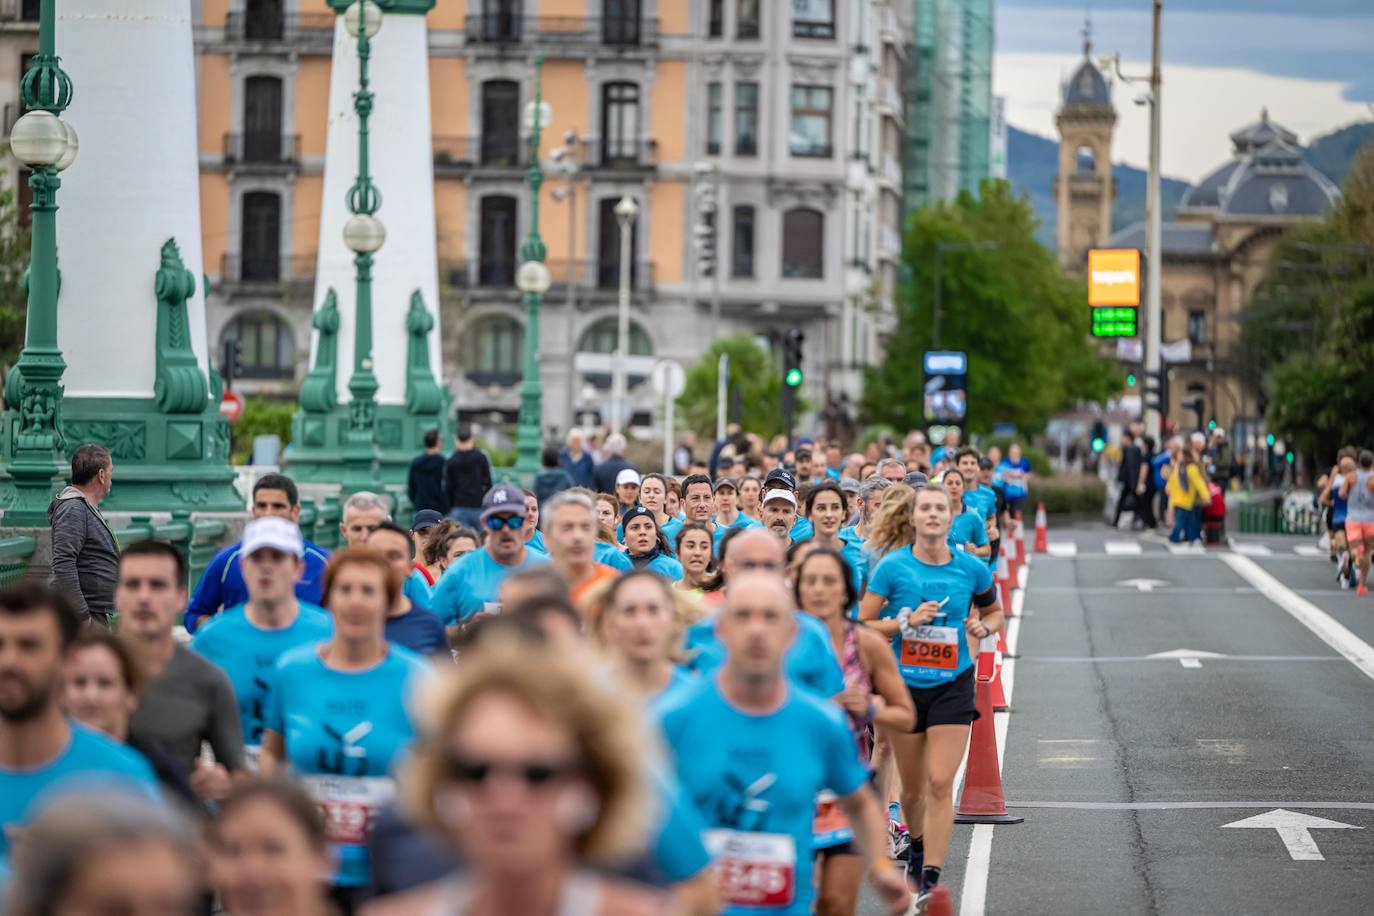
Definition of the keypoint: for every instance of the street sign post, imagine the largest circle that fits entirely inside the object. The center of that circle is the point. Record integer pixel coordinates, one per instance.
(669, 380)
(231, 406)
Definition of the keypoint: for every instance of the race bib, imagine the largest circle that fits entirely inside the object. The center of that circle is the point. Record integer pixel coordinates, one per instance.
(829, 827)
(755, 869)
(490, 607)
(350, 804)
(931, 647)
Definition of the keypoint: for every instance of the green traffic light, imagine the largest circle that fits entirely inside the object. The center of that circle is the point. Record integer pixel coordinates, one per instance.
(1099, 444)
(794, 378)
(1290, 456)
(1211, 425)
(1269, 439)
(1130, 379)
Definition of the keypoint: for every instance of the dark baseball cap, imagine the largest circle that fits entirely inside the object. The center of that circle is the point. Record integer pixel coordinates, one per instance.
(425, 518)
(985, 463)
(780, 477)
(916, 479)
(503, 498)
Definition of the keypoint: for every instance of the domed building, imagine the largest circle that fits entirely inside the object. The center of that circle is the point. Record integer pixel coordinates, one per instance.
(1216, 251)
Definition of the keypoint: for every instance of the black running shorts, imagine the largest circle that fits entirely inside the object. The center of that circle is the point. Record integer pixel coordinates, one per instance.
(947, 704)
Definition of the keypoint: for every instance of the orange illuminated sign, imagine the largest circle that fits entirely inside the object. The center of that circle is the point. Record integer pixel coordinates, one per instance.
(1113, 276)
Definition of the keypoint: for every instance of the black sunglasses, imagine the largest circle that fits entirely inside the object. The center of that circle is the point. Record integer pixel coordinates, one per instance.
(531, 772)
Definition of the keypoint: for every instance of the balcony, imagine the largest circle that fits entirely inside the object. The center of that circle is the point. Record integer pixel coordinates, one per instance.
(590, 276)
(286, 29)
(620, 154)
(19, 11)
(262, 148)
(266, 273)
(493, 151)
(554, 32)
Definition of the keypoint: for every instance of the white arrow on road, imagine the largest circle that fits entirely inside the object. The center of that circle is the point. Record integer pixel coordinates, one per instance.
(1143, 585)
(1188, 658)
(1293, 830)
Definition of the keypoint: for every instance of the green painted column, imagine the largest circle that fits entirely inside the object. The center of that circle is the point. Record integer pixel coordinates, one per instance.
(529, 438)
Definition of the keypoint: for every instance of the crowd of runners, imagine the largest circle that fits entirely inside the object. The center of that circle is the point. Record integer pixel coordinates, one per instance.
(743, 689)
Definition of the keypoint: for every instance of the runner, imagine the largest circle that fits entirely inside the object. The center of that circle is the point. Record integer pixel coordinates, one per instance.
(968, 530)
(871, 493)
(425, 524)
(653, 490)
(626, 489)
(750, 497)
(638, 622)
(752, 752)
(977, 497)
(337, 713)
(780, 516)
(570, 523)
(446, 545)
(1015, 470)
(728, 514)
(534, 537)
(267, 849)
(695, 553)
(1337, 507)
(409, 623)
(246, 641)
(698, 505)
(646, 545)
(892, 470)
(874, 697)
(1357, 486)
(921, 597)
(782, 479)
(469, 586)
(827, 507)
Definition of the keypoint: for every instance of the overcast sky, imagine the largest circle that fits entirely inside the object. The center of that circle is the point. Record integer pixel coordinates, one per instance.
(1310, 61)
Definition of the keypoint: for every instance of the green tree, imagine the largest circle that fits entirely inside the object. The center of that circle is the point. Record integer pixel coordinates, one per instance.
(14, 261)
(1006, 303)
(754, 374)
(261, 417)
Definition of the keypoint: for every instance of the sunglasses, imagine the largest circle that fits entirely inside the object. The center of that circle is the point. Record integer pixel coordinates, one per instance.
(532, 773)
(497, 522)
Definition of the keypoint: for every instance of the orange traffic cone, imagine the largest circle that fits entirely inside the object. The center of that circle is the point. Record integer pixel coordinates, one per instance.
(1021, 540)
(1004, 584)
(1013, 557)
(990, 652)
(1042, 530)
(982, 801)
(940, 903)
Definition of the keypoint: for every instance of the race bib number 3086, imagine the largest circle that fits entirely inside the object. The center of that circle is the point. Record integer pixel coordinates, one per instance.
(931, 647)
(755, 869)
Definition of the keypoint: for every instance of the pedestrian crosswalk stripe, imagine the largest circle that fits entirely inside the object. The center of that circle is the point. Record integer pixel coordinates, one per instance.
(1186, 548)
(1307, 550)
(1252, 550)
(1062, 549)
(1122, 548)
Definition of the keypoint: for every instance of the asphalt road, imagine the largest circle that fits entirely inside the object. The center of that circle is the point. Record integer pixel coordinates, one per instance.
(1128, 768)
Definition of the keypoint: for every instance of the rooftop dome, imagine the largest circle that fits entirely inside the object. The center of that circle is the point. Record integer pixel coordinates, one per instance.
(1206, 193)
(1260, 134)
(1087, 86)
(1275, 180)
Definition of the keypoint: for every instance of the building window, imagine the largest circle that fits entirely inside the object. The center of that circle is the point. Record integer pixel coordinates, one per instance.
(260, 238)
(803, 244)
(499, 20)
(267, 347)
(492, 351)
(747, 19)
(620, 21)
(810, 131)
(619, 124)
(501, 123)
(604, 338)
(263, 20)
(746, 119)
(262, 119)
(496, 266)
(813, 18)
(742, 243)
(715, 118)
(608, 247)
(715, 19)
(1197, 326)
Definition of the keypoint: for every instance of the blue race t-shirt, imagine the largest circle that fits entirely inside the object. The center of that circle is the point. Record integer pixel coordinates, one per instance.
(612, 556)
(418, 589)
(418, 630)
(344, 731)
(982, 500)
(1013, 474)
(939, 653)
(248, 653)
(90, 763)
(670, 529)
(471, 585)
(810, 660)
(754, 779)
(741, 521)
(968, 527)
(802, 529)
(536, 543)
(222, 585)
(665, 566)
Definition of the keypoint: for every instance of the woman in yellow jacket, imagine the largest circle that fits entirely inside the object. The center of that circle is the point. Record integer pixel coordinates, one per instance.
(1187, 492)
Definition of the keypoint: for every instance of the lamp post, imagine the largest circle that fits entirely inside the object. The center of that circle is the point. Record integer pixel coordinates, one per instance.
(46, 144)
(533, 280)
(364, 235)
(566, 158)
(937, 303)
(625, 212)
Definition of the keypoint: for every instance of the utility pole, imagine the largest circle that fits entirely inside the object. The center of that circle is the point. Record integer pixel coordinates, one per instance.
(1154, 253)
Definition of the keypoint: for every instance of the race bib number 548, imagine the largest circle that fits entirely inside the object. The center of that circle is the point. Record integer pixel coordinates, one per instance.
(756, 869)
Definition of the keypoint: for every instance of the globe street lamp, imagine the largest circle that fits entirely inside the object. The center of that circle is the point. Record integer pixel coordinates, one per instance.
(363, 234)
(46, 144)
(625, 212)
(566, 161)
(533, 280)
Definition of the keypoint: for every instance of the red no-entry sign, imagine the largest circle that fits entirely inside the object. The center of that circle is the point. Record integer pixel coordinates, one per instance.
(231, 406)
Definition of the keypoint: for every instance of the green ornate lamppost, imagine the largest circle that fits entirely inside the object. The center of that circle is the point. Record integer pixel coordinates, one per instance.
(45, 143)
(534, 281)
(364, 235)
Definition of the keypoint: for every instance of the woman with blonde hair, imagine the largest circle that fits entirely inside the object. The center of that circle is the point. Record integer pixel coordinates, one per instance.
(891, 529)
(640, 620)
(536, 775)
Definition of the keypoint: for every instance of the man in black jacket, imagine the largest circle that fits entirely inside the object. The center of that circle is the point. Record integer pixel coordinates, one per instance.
(425, 484)
(467, 478)
(85, 558)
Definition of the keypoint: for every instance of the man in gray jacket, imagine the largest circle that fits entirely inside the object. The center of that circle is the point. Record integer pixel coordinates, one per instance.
(85, 554)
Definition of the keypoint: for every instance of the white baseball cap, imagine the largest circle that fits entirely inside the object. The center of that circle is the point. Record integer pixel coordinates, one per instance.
(273, 532)
(627, 476)
(778, 493)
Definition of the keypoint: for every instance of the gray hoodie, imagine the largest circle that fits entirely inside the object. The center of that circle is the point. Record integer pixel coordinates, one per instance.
(85, 554)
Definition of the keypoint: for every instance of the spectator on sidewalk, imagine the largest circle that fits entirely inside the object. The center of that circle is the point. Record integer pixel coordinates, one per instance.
(467, 478)
(1188, 494)
(85, 554)
(1131, 476)
(1221, 461)
(553, 479)
(608, 471)
(425, 483)
(577, 461)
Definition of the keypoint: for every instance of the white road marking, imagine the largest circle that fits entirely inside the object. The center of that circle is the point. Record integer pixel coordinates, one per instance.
(1192, 806)
(1307, 550)
(1143, 585)
(1062, 548)
(1183, 550)
(1190, 662)
(1116, 659)
(1122, 548)
(1251, 550)
(1293, 829)
(1323, 625)
(1188, 658)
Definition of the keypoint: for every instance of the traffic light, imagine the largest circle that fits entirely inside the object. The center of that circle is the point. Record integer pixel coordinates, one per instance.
(1157, 392)
(1269, 440)
(1211, 425)
(1130, 379)
(1099, 437)
(792, 375)
(231, 362)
